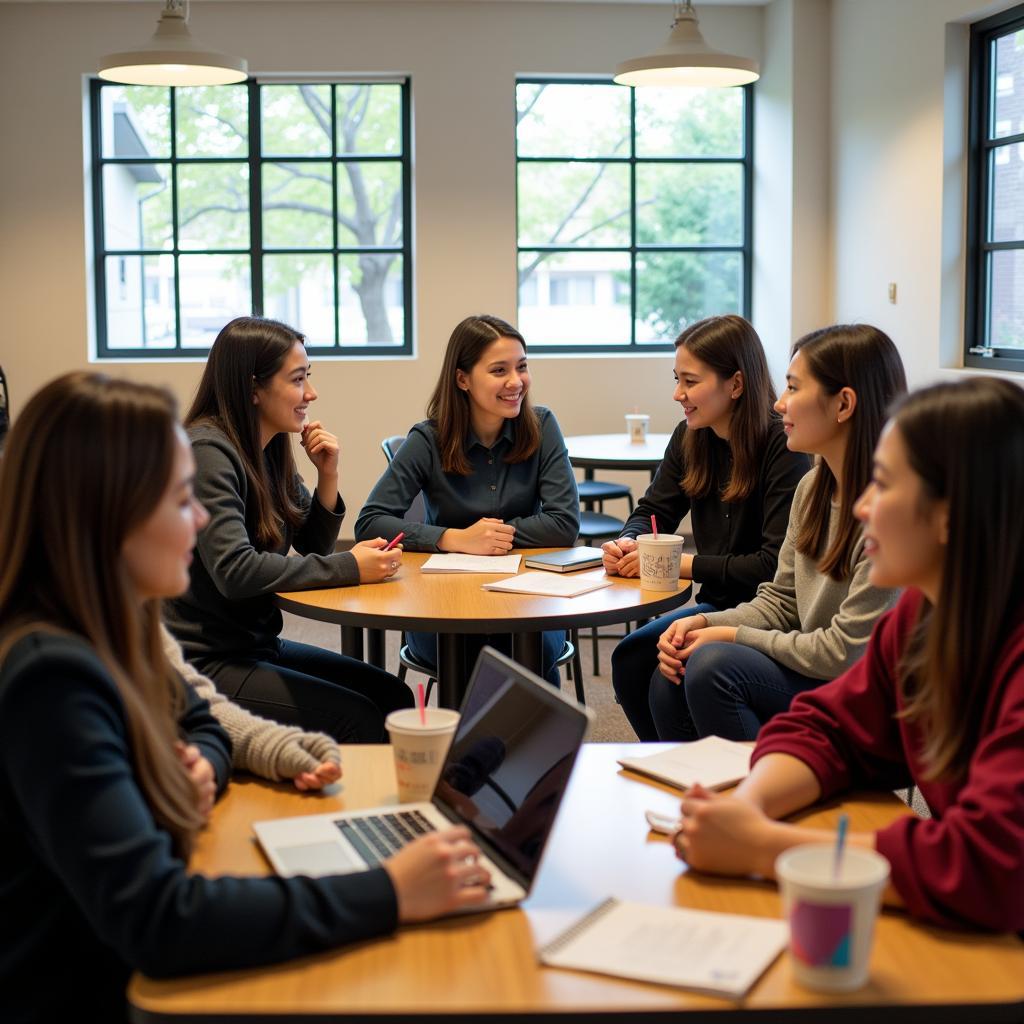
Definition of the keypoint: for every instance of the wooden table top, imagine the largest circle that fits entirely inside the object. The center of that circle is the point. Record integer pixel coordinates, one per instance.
(616, 451)
(485, 963)
(455, 602)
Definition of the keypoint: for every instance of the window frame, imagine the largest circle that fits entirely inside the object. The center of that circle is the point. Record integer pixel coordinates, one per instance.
(746, 249)
(978, 353)
(256, 252)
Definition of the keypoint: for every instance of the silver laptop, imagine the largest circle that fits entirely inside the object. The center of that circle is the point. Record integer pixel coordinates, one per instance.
(504, 777)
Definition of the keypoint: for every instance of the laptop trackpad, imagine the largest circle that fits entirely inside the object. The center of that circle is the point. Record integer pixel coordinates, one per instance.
(318, 859)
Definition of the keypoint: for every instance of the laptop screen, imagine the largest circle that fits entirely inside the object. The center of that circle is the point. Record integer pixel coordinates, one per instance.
(511, 758)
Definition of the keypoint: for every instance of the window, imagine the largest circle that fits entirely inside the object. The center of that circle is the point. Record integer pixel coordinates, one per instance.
(994, 331)
(290, 200)
(634, 211)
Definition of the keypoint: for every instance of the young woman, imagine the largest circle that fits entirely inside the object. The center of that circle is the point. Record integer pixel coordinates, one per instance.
(813, 620)
(255, 392)
(726, 464)
(493, 470)
(937, 700)
(100, 797)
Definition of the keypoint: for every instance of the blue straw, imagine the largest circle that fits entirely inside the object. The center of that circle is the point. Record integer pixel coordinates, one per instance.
(844, 824)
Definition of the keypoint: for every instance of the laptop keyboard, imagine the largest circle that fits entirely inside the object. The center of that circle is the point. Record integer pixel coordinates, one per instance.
(377, 836)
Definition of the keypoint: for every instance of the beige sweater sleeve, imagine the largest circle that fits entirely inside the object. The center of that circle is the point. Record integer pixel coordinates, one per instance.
(260, 746)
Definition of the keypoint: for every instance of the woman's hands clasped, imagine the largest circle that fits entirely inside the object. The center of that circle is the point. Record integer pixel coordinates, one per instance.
(682, 638)
(486, 536)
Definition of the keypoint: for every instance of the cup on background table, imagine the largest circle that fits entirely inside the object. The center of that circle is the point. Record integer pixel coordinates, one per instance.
(636, 426)
(659, 560)
(419, 749)
(831, 916)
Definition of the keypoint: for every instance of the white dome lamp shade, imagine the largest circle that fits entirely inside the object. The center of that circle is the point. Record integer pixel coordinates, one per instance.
(173, 57)
(685, 59)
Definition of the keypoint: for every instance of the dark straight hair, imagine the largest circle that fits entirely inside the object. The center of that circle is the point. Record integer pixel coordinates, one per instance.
(727, 345)
(245, 356)
(448, 408)
(864, 359)
(966, 443)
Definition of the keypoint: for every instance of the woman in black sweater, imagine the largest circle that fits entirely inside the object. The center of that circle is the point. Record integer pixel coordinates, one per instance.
(728, 466)
(108, 762)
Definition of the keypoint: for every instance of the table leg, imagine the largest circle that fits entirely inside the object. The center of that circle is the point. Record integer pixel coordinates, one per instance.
(375, 647)
(451, 670)
(352, 642)
(528, 650)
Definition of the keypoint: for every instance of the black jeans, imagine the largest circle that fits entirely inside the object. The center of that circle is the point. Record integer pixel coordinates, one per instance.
(317, 690)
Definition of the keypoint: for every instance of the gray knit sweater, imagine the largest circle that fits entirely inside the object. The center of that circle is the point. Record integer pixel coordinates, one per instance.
(805, 620)
(259, 745)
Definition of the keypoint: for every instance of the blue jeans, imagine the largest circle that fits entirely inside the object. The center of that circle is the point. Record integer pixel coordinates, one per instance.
(729, 690)
(634, 659)
(424, 646)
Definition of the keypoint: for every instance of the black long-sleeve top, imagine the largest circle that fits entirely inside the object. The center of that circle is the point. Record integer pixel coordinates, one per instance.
(737, 543)
(229, 608)
(90, 887)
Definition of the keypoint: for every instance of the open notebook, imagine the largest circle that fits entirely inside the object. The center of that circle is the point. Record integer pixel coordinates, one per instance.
(713, 762)
(489, 564)
(548, 584)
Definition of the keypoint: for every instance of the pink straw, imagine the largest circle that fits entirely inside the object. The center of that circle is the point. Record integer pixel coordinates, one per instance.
(654, 526)
(421, 704)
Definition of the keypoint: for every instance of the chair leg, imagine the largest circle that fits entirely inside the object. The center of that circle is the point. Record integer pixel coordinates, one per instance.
(576, 667)
(595, 650)
(429, 689)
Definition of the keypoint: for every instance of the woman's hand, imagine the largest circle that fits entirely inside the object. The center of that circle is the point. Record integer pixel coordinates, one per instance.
(322, 448)
(436, 874)
(376, 564)
(726, 835)
(322, 775)
(710, 635)
(485, 537)
(671, 643)
(201, 772)
(621, 557)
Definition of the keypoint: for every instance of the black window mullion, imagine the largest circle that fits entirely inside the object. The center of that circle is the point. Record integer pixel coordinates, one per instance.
(335, 257)
(256, 196)
(632, 217)
(747, 259)
(175, 238)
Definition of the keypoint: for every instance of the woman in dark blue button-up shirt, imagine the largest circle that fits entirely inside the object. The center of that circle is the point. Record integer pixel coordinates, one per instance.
(493, 470)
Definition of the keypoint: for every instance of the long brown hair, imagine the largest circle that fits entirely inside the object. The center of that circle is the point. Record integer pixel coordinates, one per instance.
(727, 345)
(103, 451)
(448, 408)
(966, 443)
(245, 356)
(864, 359)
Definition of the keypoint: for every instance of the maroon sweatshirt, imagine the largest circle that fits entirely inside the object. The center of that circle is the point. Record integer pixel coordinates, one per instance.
(965, 865)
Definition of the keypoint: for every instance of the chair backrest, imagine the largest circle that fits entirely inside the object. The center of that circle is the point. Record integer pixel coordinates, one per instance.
(5, 409)
(417, 511)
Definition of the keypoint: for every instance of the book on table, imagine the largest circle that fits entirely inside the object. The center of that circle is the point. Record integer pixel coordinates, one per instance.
(543, 584)
(567, 560)
(713, 762)
(722, 954)
(488, 564)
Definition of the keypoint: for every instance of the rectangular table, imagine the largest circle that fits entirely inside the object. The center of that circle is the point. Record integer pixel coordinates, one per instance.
(484, 965)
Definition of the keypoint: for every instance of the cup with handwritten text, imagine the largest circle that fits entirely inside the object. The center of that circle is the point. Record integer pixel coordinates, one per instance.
(420, 749)
(831, 913)
(659, 560)
(636, 426)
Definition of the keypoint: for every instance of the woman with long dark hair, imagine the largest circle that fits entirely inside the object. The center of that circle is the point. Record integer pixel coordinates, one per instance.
(254, 394)
(493, 469)
(728, 466)
(107, 760)
(938, 698)
(726, 673)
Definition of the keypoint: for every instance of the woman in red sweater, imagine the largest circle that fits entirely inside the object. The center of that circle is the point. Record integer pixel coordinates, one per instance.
(937, 700)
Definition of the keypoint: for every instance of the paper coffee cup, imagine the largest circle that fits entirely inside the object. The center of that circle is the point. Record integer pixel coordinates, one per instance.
(419, 749)
(831, 918)
(636, 427)
(659, 561)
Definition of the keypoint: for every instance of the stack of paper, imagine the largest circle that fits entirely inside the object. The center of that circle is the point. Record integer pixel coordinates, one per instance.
(548, 585)
(497, 564)
(713, 762)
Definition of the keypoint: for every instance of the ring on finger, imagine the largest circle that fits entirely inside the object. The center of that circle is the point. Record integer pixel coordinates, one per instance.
(394, 566)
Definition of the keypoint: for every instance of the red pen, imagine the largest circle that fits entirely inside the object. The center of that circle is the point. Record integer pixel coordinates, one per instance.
(397, 540)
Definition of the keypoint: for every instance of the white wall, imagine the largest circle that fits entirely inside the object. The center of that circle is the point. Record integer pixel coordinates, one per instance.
(463, 59)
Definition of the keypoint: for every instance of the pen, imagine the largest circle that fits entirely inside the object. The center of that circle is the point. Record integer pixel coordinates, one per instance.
(397, 540)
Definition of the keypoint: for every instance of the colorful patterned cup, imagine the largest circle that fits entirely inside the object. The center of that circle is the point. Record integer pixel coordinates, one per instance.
(831, 917)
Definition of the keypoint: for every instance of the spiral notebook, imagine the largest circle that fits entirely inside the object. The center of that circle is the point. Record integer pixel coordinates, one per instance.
(722, 954)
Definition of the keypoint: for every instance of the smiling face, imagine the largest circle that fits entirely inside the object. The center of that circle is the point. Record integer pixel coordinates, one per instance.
(905, 530)
(157, 553)
(707, 399)
(284, 400)
(814, 421)
(496, 385)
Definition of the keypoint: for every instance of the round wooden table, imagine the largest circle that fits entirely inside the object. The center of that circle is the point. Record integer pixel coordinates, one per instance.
(615, 451)
(453, 605)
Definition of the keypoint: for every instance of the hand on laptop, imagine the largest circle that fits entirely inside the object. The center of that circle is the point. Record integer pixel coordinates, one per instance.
(437, 874)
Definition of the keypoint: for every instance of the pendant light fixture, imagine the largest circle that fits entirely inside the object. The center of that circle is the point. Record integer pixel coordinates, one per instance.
(173, 57)
(685, 59)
